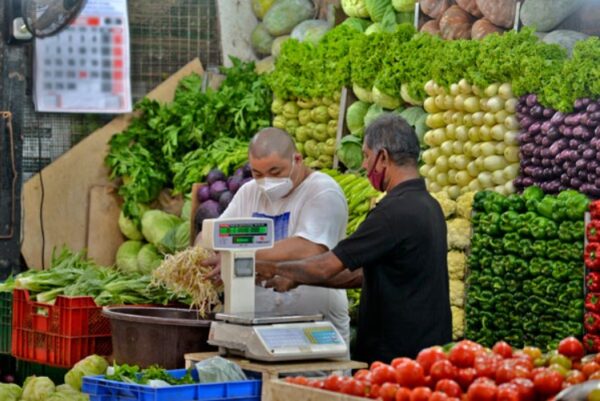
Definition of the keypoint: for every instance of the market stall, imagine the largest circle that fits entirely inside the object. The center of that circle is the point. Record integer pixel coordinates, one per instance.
(504, 97)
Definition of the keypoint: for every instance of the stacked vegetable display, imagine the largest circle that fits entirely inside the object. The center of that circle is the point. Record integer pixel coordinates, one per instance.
(525, 283)
(591, 339)
(560, 150)
(473, 138)
(467, 371)
(458, 216)
(313, 124)
(378, 15)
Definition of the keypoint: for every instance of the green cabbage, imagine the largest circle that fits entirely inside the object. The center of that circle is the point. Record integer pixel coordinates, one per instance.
(37, 388)
(374, 28)
(412, 115)
(260, 7)
(405, 18)
(186, 210)
(261, 40)
(89, 366)
(156, 224)
(319, 114)
(182, 236)
(421, 128)
(126, 258)
(374, 112)
(355, 117)
(128, 227)
(310, 31)
(385, 100)
(67, 396)
(355, 8)
(284, 15)
(277, 43)
(358, 24)
(364, 95)
(377, 8)
(350, 152)
(10, 392)
(404, 6)
(148, 259)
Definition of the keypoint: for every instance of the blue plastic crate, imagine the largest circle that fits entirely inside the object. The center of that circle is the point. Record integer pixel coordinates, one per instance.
(101, 389)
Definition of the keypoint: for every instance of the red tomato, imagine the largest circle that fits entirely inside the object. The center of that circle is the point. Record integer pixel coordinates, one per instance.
(449, 387)
(398, 361)
(428, 382)
(463, 354)
(508, 392)
(410, 374)
(548, 382)
(442, 370)
(505, 372)
(572, 348)
(597, 358)
(574, 377)
(526, 389)
(482, 389)
(353, 387)
(376, 364)
(332, 383)
(486, 364)
(403, 394)
(438, 396)
(420, 394)
(589, 368)
(374, 391)
(465, 377)
(429, 356)
(503, 349)
(522, 355)
(301, 380)
(362, 374)
(524, 362)
(316, 383)
(388, 391)
(383, 374)
(454, 399)
(594, 376)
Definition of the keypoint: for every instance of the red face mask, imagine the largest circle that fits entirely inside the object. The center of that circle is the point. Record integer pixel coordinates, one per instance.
(375, 178)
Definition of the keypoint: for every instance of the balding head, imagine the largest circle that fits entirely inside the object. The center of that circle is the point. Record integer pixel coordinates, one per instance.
(272, 140)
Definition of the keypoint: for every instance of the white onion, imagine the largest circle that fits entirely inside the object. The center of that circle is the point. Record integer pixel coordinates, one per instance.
(485, 133)
(501, 116)
(489, 119)
(485, 179)
(474, 135)
(478, 118)
(430, 87)
(511, 105)
(494, 162)
(453, 191)
(464, 87)
(462, 133)
(488, 148)
(498, 177)
(498, 131)
(447, 148)
(505, 91)
(491, 90)
(511, 122)
(472, 169)
(511, 154)
(429, 105)
(451, 131)
(458, 147)
(471, 104)
(475, 186)
(511, 171)
(452, 176)
(511, 138)
(495, 104)
(462, 178)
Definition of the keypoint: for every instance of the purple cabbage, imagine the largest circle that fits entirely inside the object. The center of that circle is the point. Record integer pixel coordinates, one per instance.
(203, 193)
(216, 189)
(224, 199)
(215, 175)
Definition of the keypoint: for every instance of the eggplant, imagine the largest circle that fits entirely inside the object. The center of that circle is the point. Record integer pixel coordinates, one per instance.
(553, 133)
(594, 117)
(525, 137)
(553, 186)
(576, 183)
(537, 172)
(592, 166)
(581, 164)
(574, 143)
(546, 142)
(546, 162)
(598, 156)
(571, 172)
(573, 119)
(582, 103)
(535, 128)
(558, 118)
(582, 175)
(581, 132)
(536, 111)
(565, 179)
(597, 131)
(531, 100)
(528, 170)
(535, 161)
(528, 181)
(526, 122)
(597, 183)
(597, 171)
(547, 173)
(588, 154)
(568, 132)
(587, 121)
(594, 142)
(545, 153)
(537, 152)
(518, 183)
(548, 112)
(527, 149)
(593, 107)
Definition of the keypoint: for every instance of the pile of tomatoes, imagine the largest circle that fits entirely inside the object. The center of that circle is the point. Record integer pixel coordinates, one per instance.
(469, 372)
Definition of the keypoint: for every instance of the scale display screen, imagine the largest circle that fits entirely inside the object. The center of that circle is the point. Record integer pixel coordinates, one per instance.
(299, 337)
(237, 234)
(226, 229)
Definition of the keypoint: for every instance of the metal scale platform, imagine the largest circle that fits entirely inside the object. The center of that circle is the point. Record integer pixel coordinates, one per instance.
(240, 330)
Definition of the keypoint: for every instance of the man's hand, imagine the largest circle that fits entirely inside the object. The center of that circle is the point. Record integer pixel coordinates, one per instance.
(266, 269)
(215, 274)
(281, 284)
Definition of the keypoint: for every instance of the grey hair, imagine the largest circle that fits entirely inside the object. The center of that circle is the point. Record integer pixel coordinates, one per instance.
(392, 133)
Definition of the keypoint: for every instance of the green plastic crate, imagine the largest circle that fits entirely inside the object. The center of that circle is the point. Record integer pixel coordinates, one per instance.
(26, 369)
(5, 321)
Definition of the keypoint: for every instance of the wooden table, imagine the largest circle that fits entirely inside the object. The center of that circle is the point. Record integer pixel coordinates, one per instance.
(270, 371)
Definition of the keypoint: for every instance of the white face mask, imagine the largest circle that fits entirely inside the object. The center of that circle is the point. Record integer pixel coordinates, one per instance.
(276, 188)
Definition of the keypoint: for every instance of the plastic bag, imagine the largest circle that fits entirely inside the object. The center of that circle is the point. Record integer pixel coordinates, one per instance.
(219, 370)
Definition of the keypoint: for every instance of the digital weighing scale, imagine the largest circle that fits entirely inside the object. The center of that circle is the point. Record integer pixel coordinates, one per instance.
(239, 329)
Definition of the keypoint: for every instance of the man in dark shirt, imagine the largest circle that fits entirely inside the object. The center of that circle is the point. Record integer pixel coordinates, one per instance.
(401, 249)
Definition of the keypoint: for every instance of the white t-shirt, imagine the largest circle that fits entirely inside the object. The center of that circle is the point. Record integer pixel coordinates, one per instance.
(316, 211)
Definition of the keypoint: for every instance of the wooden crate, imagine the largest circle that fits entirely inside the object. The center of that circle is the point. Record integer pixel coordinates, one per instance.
(277, 390)
(271, 371)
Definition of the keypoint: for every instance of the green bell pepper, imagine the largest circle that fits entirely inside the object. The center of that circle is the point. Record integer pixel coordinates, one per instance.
(509, 221)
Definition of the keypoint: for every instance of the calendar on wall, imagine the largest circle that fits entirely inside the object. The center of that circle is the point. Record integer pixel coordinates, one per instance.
(85, 68)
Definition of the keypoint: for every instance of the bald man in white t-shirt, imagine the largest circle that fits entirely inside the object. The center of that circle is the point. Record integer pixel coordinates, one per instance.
(309, 212)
